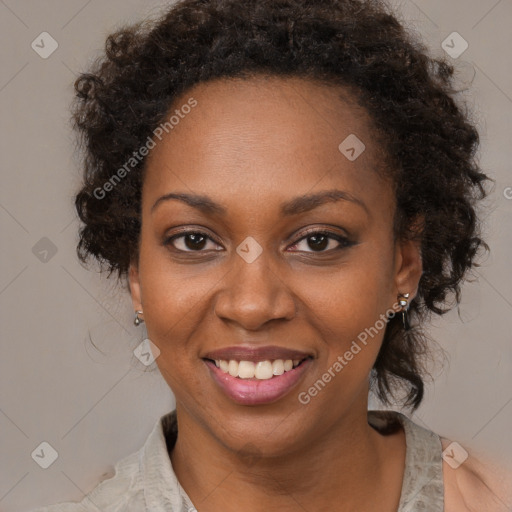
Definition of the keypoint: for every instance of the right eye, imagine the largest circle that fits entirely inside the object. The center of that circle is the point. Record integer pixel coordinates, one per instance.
(189, 241)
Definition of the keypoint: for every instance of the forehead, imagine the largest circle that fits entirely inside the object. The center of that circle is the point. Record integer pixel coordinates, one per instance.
(266, 138)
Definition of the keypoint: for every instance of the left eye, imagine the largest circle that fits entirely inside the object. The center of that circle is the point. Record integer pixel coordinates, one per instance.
(319, 241)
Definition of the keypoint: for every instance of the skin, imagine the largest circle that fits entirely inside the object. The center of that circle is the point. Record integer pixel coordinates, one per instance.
(251, 145)
(476, 485)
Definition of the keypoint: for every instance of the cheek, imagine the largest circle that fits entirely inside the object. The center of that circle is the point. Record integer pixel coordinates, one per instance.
(173, 299)
(173, 307)
(349, 299)
(352, 333)
(347, 310)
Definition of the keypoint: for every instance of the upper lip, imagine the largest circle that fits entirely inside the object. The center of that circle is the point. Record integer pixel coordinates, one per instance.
(248, 353)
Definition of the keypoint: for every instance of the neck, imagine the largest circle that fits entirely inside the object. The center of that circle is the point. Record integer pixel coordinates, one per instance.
(346, 467)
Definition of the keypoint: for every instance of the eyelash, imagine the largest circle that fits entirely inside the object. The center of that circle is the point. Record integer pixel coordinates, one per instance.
(342, 240)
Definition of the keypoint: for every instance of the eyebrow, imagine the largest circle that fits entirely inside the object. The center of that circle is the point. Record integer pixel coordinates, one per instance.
(300, 204)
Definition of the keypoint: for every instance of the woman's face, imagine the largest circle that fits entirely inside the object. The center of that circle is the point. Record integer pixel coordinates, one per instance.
(258, 167)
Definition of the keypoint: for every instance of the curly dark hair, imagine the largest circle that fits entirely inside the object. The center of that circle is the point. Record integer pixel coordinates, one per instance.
(429, 141)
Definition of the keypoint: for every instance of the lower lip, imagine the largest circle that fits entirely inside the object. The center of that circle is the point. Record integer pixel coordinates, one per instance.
(256, 391)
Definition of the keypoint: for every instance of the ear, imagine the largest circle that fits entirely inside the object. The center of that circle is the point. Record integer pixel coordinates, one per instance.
(408, 264)
(135, 292)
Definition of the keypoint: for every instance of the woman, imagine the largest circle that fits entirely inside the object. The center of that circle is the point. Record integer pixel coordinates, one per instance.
(290, 190)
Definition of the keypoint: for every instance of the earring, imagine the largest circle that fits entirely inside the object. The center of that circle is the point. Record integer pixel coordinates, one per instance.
(137, 321)
(403, 300)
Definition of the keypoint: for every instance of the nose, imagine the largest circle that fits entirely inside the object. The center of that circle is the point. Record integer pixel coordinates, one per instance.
(254, 294)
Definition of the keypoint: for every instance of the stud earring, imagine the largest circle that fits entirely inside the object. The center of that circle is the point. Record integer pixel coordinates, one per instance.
(137, 321)
(403, 300)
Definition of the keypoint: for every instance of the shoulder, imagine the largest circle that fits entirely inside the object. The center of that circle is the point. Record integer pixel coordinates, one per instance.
(118, 486)
(474, 485)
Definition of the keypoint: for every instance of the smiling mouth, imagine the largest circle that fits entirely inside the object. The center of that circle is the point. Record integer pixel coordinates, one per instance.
(257, 370)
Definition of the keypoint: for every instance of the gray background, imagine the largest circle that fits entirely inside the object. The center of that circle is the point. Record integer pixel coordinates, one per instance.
(94, 407)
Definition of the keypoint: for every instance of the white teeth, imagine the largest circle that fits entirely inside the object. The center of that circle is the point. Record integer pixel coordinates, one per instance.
(246, 369)
(262, 370)
(278, 367)
(233, 368)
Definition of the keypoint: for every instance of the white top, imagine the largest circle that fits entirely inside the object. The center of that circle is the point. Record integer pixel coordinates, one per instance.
(145, 480)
